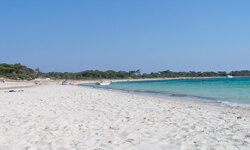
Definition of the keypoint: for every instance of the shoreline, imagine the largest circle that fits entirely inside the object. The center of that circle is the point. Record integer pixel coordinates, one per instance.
(114, 80)
(183, 99)
(65, 116)
(175, 97)
(145, 79)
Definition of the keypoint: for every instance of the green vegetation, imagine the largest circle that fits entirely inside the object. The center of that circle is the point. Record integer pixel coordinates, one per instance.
(1, 76)
(18, 71)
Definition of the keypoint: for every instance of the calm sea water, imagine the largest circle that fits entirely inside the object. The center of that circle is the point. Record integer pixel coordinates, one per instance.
(233, 92)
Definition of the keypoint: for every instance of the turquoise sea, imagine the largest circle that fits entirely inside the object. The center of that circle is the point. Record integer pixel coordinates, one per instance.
(233, 92)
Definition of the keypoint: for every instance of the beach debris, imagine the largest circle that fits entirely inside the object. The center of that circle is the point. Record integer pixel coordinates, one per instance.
(38, 82)
(15, 90)
(129, 140)
(247, 136)
(239, 117)
(110, 141)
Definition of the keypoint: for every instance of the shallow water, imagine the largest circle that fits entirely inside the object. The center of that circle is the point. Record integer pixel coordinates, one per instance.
(228, 91)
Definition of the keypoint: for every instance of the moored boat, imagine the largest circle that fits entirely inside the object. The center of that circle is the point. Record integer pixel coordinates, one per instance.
(103, 83)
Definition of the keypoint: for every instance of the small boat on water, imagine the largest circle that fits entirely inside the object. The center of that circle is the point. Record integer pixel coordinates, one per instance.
(103, 83)
(229, 76)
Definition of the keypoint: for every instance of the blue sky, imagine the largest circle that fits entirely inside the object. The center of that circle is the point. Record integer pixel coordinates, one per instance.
(126, 35)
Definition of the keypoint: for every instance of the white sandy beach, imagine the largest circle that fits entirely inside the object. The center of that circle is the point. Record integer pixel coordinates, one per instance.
(70, 117)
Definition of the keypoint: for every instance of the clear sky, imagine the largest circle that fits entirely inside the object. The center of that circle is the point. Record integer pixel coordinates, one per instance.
(151, 35)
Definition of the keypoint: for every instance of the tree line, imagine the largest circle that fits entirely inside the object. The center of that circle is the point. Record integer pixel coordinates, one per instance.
(18, 71)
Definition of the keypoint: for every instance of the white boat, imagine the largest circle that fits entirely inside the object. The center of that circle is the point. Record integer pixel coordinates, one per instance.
(103, 83)
(65, 82)
(229, 76)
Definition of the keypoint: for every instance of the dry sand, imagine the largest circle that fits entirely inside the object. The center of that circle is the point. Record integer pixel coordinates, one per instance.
(70, 117)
